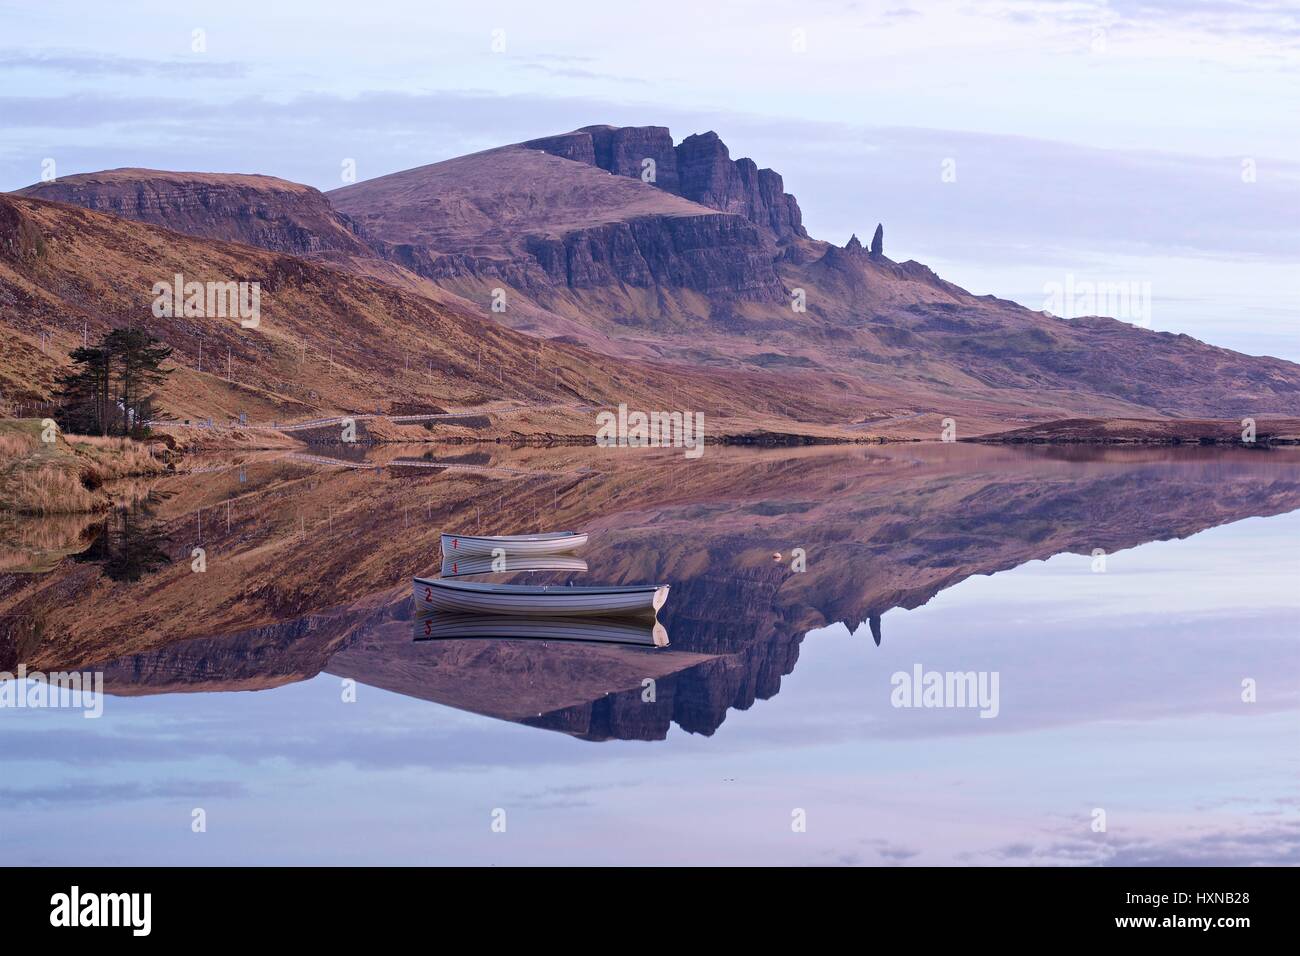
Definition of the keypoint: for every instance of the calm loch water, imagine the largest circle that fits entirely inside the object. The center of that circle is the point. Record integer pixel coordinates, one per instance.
(1029, 656)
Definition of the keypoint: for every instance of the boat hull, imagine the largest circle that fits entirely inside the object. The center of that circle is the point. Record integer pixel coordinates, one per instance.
(451, 627)
(521, 545)
(510, 564)
(463, 597)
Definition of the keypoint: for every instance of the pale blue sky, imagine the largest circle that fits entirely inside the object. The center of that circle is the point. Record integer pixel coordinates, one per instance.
(1104, 140)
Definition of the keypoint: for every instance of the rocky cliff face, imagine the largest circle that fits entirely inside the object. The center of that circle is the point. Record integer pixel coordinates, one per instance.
(711, 178)
(255, 210)
(717, 255)
(546, 227)
(700, 169)
(722, 256)
(624, 152)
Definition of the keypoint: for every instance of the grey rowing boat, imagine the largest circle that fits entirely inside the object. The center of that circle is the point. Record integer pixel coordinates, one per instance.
(509, 564)
(555, 542)
(472, 597)
(435, 627)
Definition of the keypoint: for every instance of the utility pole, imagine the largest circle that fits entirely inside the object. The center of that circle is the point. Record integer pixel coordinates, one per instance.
(200, 353)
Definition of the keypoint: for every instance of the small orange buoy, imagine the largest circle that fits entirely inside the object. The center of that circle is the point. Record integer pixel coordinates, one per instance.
(776, 555)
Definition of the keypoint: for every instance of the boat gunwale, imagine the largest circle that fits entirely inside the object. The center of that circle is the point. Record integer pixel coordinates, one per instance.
(484, 587)
(476, 565)
(547, 536)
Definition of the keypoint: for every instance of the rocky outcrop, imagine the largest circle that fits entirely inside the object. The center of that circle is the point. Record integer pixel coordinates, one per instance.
(624, 151)
(721, 256)
(710, 177)
(256, 210)
(524, 273)
(847, 260)
(700, 169)
(851, 257)
(716, 255)
(19, 238)
(577, 146)
(621, 150)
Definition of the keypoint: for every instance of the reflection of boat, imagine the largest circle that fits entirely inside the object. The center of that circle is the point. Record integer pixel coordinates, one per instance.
(555, 542)
(604, 630)
(471, 597)
(451, 567)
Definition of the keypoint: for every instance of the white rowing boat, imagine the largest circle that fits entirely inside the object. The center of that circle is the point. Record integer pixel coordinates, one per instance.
(555, 542)
(473, 597)
(446, 627)
(509, 564)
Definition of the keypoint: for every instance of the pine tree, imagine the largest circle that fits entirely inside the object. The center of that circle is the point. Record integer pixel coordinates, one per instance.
(110, 387)
(138, 359)
(83, 393)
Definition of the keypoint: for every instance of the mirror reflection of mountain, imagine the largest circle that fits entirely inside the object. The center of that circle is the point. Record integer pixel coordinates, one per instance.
(308, 568)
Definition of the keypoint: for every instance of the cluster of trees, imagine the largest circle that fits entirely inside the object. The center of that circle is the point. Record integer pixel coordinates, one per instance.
(110, 389)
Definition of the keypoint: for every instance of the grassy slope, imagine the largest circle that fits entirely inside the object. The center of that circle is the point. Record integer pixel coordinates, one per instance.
(329, 342)
(65, 476)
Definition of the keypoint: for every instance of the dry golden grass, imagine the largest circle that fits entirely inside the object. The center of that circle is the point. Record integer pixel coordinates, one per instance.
(37, 544)
(48, 489)
(65, 476)
(128, 460)
(15, 445)
(114, 442)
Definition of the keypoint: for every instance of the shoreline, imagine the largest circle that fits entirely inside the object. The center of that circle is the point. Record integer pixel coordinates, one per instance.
(44, 472)
(376, 430)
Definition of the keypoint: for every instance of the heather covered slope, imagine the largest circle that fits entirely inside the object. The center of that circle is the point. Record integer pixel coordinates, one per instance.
(483, 202)
(328, 340)
(547, 226)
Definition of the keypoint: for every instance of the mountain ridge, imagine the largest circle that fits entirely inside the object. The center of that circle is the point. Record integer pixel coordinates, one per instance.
(564, 234)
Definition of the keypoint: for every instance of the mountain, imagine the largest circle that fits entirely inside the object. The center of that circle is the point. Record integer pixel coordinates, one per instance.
(330, 338)
(700, 169)
(703, 265)
(677, 261)
(568, 236)
(257, 210)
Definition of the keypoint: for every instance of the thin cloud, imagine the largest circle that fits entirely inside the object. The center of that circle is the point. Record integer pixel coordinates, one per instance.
(78, 63)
